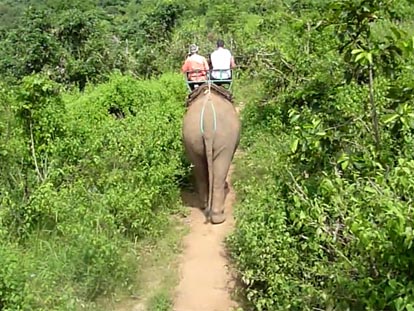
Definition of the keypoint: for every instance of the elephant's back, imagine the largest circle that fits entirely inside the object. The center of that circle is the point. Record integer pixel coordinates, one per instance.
(192, 135)
(191, 120)
(213, 113)
(227, 117)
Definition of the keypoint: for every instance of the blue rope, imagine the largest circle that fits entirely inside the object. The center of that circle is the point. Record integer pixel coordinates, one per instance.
(202, 117)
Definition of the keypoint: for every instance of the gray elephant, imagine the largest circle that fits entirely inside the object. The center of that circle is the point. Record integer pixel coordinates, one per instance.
(211, 135)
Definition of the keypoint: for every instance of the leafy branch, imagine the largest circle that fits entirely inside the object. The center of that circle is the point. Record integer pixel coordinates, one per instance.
(354, 21)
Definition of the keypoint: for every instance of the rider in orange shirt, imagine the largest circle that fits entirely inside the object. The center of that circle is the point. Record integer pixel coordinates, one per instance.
(195, 66)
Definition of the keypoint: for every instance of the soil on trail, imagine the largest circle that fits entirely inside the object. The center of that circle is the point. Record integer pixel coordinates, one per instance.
(206, 282)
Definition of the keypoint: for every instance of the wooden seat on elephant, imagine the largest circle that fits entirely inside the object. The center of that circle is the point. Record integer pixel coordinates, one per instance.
(209, 87)
(220, 81)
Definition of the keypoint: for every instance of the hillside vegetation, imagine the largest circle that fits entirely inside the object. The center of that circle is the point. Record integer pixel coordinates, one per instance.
(91, 159)
(325, 213)
(80, 186)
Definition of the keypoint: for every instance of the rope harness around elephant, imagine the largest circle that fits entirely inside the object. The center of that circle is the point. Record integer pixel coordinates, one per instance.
(208, 100)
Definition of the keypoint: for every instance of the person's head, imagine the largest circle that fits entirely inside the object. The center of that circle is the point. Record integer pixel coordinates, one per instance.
(220, 43)
(193, 49)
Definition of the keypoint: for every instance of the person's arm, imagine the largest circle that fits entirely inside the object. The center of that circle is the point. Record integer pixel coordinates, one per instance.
(232, 62)
(210, 64)
(206, 66)
(185, 67)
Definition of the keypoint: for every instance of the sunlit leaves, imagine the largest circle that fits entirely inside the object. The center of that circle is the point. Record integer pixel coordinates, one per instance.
(362, 56)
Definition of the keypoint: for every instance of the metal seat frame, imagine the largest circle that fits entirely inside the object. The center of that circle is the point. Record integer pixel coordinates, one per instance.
(209, 79)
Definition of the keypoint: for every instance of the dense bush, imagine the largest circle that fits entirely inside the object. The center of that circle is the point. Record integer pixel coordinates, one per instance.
(97, 172)
(324, 186)
(324, 219)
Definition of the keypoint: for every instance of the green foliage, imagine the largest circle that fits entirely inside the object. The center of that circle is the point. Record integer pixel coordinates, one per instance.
(102, 182)
(151, 172)
(30, 47)
(160, 302)
(12, 279)
(40, 109)
(323, 220)
(324, 217)
(70, 46)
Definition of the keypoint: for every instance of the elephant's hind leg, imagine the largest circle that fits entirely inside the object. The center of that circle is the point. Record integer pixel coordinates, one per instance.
(221, 169)
(202, 184)
(201, 179)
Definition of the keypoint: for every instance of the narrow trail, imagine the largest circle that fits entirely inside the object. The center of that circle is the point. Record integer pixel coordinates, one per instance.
(205, 280)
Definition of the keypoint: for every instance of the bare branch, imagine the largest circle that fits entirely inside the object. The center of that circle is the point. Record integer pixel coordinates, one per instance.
(32, 147)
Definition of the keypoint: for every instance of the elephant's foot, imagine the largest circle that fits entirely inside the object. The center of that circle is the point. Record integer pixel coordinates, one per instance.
(202, 202)
(204, 205)
(217, 218)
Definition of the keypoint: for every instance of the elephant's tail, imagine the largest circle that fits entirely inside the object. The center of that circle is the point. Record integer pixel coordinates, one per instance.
(208, 142)
(208, 137)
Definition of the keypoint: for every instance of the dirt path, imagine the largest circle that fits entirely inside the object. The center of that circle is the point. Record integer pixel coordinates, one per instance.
(205, 280)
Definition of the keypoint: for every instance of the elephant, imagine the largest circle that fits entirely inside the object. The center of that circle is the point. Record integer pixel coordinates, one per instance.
(211, 136)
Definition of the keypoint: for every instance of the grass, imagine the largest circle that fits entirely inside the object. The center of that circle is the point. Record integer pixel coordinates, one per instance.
(160, 302)
(156, 277)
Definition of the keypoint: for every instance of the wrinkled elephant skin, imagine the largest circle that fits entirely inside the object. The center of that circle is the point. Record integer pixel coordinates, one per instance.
(211, 135)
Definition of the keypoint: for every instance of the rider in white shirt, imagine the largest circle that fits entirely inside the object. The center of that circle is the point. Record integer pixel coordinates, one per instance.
(222, 61)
